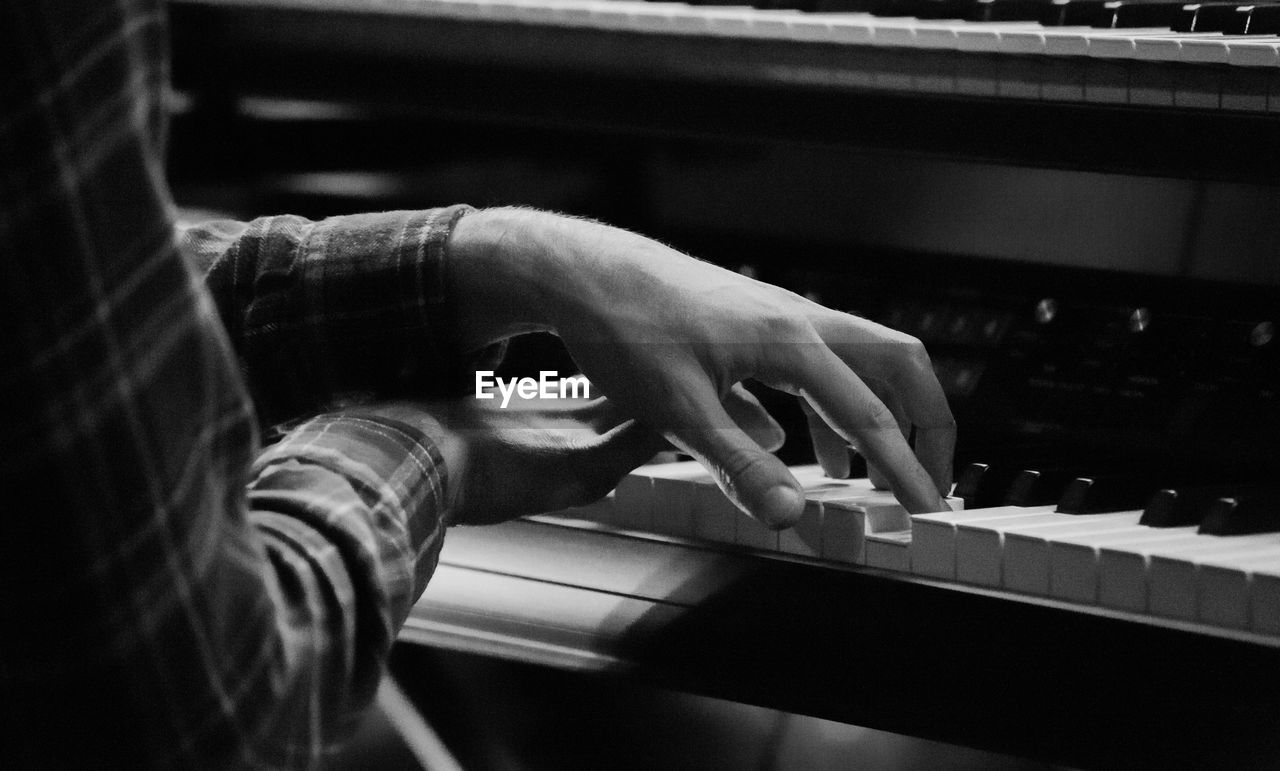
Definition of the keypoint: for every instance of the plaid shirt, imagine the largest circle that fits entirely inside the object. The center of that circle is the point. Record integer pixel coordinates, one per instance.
(170, 592)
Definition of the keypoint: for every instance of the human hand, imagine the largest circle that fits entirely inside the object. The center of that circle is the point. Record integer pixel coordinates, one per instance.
(667, 337)
(532, 457)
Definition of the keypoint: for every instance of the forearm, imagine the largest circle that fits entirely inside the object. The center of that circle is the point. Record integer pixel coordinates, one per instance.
(354, 306)
(303, 597)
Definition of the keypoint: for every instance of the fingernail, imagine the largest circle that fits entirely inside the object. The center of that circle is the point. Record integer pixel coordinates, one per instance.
(782, 507)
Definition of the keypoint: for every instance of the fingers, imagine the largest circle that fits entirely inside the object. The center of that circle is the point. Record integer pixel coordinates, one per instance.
(878, 478)
(830, 448)
(845, 402)
(747, 412)
(753, 479)
(617, 452)
(901, 363)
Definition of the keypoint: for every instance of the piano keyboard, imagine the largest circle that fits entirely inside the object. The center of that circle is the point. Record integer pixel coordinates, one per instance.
(1112, 559)
(1148, 66)
(1154, 42)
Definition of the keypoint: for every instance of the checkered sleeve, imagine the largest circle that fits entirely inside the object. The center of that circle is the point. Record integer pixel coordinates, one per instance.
(169, 593)
(335, 310)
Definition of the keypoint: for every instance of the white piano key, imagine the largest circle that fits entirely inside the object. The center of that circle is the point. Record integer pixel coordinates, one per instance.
(890, 551)
(611, 15)
(849, 515)
(803, 27)
(675, 496)
(464, 9)
(523, 12)
(933, 544)
(1264, 601)
(1123, 570)
(1167, 47)
(844, 530)
(1073, 560)
(653, 17)
(987, 37)
(1172, 579)
(633, 501)
(1025, 556)
(1225, 583)
(894, 32)
(1207, 49)
(804, 538)
(1070, 41)
(937, 35)
(716, 517)
(850, 28)
(688, 20)
(1080, 41)
(1263, 51)
(750, 534)
(727, 21)
(979, 544)
(1023, 41)
(771, 24)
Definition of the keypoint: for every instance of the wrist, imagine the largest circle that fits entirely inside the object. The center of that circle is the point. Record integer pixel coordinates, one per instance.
(504, 274)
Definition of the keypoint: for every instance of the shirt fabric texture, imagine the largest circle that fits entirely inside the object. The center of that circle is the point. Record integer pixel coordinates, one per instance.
(171, 592)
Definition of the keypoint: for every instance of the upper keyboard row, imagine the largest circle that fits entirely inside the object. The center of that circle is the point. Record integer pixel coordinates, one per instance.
(1055, 27)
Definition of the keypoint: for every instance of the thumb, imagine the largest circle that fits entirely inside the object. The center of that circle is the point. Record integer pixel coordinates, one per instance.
(616, 453)
(753, 479)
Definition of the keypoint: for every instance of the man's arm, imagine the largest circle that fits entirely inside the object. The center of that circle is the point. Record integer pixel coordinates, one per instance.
(345, 308)
(167, 595)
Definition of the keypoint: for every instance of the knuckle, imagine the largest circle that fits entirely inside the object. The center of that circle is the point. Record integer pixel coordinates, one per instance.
(880, 418)
(910, 358)
(914, 352)
(740, 463)
(779, 326)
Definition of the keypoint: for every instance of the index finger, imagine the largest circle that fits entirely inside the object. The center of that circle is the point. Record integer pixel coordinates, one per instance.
(845, 402)
(901, 363)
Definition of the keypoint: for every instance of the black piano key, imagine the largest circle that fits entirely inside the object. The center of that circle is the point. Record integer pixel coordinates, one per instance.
(968, 482)
(923, 9)
(1072, 13)
(1246, 514)
(783, 5)
(1190, 503)
(1006, 10)
(1181, 507)
(1258, 19)
(1130, 14)
(1099, 494)
(845, 6)
(1038, 487)
(982, 486)
(1204, 17)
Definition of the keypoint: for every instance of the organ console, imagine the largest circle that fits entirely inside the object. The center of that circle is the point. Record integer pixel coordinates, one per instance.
(1072, 202)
